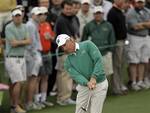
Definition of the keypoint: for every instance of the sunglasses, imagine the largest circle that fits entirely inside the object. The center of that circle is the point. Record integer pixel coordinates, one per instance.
(43, 14)
(17, 15)
(23, 11)
(98, 12)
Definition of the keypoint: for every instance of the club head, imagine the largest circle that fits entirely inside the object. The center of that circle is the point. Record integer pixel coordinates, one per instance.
(84, 109)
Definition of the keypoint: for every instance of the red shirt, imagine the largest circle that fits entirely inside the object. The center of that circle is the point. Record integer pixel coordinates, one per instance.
(46, 32)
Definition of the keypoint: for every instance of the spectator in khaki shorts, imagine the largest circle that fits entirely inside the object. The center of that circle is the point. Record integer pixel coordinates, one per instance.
(138, 36)
(17, 37)
(33, 58)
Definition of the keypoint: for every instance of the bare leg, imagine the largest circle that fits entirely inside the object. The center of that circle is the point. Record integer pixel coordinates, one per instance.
(133, 71)
(44, 83)
(37, 85)
(141, 69)
(10, 92)
(32, 82)
(43, 87)
(15, 93)
(37, 91)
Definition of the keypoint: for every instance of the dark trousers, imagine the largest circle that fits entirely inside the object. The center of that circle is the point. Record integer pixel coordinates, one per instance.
(52, 77)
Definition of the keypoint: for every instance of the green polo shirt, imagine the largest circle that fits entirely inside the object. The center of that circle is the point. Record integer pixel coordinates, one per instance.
(15, 32)
(85, 63)
(102, 35)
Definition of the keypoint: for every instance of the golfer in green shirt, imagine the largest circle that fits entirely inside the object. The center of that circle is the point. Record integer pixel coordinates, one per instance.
(85, 65)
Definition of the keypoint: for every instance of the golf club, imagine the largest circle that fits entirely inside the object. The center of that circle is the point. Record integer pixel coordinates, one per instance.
(86, 106)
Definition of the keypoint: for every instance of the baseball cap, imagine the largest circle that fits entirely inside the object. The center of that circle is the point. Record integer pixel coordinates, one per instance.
(98, 9)
(44, 10)
(85, 1)
(16, 12)
(139, 0)
(36, 10)
(61, 39)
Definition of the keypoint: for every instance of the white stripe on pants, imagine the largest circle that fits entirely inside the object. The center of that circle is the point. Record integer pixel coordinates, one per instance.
(97, 99)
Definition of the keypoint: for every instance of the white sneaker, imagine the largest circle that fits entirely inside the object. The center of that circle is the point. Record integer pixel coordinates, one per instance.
(46, 103)
(135, 87)
(53, 93)
(70, 101)
(62, 103)
(147, 83)
(67, 102)
(39, 104)
(142, 85)
(33, 106)
(124, 88)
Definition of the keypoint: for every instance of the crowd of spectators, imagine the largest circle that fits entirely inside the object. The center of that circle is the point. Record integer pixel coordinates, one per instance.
(28, 28)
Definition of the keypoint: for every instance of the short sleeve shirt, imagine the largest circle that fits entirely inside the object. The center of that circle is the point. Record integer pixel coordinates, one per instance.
(44, 30)
(134, 17)
(15, 32)
(33, 30)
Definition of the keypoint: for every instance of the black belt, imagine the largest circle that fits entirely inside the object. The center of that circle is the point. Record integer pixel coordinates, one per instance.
(44, 52)
(15, 56)
(138, 35)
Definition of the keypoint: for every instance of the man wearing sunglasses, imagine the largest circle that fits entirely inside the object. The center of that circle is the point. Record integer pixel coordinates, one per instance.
(17, 38)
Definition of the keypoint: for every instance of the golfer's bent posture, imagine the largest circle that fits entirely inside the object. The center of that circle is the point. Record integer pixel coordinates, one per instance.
(84, 64)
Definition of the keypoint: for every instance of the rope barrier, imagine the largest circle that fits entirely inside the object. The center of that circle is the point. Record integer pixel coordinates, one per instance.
(103, 47)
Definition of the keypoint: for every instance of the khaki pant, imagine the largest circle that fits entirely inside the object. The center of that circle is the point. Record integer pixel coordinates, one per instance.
(108, 64)
(98, 96)
(118, 59)
(63, 80)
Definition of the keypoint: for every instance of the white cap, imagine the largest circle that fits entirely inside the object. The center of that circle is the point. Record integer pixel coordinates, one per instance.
(139, 0)
(36, 11)
(61, 39)
(98, 9)
(44, 9)
(16, 12)
(85, 1)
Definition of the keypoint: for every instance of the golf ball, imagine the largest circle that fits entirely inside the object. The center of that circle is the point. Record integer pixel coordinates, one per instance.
(126, 42)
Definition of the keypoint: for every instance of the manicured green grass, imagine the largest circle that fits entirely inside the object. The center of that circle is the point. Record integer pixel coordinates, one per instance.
(134, 102)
